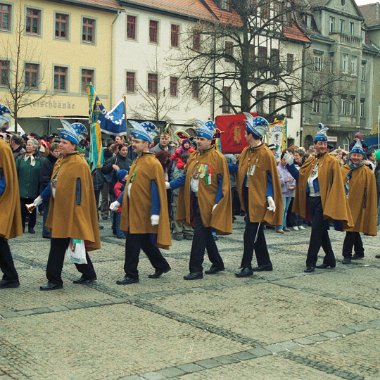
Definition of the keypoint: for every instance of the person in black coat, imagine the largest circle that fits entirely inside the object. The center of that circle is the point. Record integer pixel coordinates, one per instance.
(45, 175)
(110, 168)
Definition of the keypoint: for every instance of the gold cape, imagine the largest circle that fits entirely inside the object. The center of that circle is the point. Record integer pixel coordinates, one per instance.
(221, 218)
(10, 215)
(136, 209)
(362, 199)
(66, 218)
(264, 161)
(333, 197)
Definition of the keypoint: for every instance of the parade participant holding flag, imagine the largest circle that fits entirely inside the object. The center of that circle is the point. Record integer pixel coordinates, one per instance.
(72, 208)
(360, 186)
(205, 200)
(259, 189)
(320, 193)
(144, 212)
(10, 215)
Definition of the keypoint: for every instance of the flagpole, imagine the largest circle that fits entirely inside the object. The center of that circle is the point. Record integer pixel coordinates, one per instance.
(125, 111)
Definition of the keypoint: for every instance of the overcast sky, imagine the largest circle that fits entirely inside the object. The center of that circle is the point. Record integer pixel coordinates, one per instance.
(361, 2)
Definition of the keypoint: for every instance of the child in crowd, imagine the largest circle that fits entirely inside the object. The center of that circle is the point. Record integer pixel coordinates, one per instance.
(122, 175)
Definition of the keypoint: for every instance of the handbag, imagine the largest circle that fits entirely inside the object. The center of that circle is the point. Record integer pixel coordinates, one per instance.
(76, 252)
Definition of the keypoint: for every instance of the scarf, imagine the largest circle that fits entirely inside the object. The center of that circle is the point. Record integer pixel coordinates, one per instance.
(349, 174)
(32, 159)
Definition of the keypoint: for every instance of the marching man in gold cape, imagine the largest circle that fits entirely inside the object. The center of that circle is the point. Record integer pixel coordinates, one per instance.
(72, 209)
(205, 200)
(10, 215)
(144, 212)
(360, 185)
(259, 189)
(320, 193)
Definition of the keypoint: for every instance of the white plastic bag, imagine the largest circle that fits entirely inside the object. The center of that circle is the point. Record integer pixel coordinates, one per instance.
(76, 252)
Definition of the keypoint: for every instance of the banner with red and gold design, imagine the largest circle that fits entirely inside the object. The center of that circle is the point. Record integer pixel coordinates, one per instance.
(232, 136)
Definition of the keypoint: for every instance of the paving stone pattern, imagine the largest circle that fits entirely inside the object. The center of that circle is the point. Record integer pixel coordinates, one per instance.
(275, 325)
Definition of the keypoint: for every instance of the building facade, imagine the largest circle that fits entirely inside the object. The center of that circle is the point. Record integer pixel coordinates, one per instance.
(63, 45)
(340, 64)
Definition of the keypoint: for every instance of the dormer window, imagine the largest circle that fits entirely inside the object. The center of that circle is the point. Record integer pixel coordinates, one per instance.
(225, 5)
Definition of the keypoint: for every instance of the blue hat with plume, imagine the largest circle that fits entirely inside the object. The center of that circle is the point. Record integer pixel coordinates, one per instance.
(256, 125)
(358, 148)
(205, 129)
(321, 135)
(74, 132)
(5, 116)
(144, 131)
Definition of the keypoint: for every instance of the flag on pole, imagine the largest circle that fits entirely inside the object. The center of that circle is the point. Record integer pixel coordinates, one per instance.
(113, 122)
(96, 150)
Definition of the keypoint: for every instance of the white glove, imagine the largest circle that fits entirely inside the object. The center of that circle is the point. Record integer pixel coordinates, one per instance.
(214, 207)
(167, 185)
(271, 204)
(154, 219)
(288, 158)
(37, 201)
(114, 206)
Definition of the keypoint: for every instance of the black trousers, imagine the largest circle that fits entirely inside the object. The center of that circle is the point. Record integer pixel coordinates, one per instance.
(319, 235)
(56, 258)
(254, 240)
(45, 230)
(202, 240)
(133, 245)
(25, 213)
(352, 240)
(6, 262)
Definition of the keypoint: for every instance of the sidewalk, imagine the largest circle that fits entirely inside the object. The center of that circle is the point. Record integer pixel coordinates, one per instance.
(283, 324)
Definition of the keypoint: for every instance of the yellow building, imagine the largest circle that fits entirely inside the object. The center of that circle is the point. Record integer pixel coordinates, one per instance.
(49, 50)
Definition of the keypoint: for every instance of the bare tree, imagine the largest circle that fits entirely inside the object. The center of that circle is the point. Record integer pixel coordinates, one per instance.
(157, 103)
(246, 55)
(23, 89)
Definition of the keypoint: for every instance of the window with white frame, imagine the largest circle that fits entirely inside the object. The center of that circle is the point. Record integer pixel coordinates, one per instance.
(342, 26)
(345, 63)
(354, 65)
(364, 69)
(352, 106)
(331, 24)
(316, 105)
(343, 106)
(352, 28)
(317, 63)
(362, 108)
(330, 105)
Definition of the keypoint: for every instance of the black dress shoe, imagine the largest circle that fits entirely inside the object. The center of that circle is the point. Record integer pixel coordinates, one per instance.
(84, 281)
(357, 257)
(193, 276)
(377, 256)
(325, 266)
(51, 286)
(159, 272)
(346, 260)
(46, 236)
(127, 280)
(309, 269)
(263, 268)
(244, 272)
(9, 284)
(214, 270)
(31, 231)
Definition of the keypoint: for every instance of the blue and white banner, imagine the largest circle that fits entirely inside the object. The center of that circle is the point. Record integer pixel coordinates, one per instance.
(112, 122)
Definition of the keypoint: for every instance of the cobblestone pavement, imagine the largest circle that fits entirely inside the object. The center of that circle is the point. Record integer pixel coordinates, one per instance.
(283, 324)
